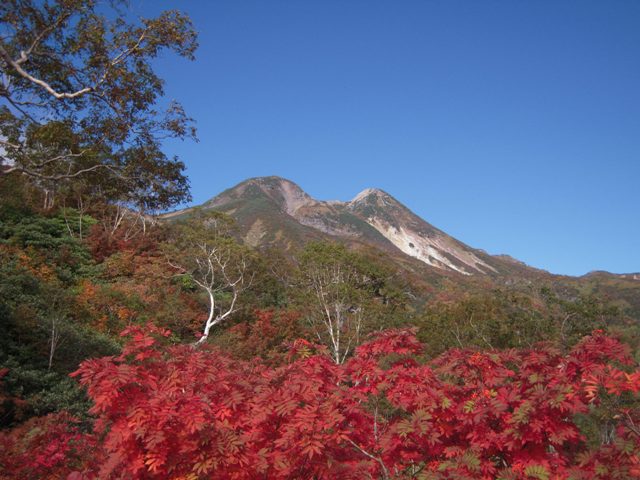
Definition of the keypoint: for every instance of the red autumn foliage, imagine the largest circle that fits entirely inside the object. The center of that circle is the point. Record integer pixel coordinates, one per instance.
(267, 336)
(45, 447)
(104, 241)
(178, 412)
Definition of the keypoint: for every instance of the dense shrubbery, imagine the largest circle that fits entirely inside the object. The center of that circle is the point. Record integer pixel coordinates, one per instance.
(179, 412)
(511, 318)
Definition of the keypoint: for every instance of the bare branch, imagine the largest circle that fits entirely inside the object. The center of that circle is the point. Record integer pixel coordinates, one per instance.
(385, 471)
(62, 176)
(9, 144)
(23, 73)
(20, 109)
(24, 56)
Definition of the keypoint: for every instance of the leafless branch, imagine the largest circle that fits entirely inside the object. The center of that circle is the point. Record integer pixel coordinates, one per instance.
(24, 56)
(62, 176)
(23, 73)
(385, 471)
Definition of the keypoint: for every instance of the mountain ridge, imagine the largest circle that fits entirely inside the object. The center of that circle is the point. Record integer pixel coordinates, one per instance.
(273, 210)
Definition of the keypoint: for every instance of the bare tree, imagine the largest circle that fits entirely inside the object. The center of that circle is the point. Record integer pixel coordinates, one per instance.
(54, 339)
(57, 316)
(338, 300)
(203, 250)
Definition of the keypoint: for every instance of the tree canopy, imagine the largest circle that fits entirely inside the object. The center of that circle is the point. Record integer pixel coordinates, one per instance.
(81, 98)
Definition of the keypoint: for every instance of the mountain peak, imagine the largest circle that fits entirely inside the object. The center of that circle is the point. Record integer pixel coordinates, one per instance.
(273, 182)
(285, 193)
(373, 216)
(370, 192)
(269, 179)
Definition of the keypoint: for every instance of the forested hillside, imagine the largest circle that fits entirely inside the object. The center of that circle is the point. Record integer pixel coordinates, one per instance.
(238, 362)
(134, 345)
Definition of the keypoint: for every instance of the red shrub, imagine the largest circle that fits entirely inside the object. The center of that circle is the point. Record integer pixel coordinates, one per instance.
(180, 412)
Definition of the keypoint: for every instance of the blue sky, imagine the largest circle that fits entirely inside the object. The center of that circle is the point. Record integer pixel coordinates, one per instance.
(512, 125)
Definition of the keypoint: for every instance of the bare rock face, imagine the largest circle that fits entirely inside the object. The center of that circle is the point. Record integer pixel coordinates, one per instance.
(413, 236)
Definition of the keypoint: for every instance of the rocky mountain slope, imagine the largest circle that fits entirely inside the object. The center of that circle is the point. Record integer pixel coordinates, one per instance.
(273, 211)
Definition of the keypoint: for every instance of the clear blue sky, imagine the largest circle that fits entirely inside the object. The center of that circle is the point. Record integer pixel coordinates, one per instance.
(512, 125)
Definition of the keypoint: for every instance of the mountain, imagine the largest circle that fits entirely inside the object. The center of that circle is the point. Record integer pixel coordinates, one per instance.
(273, 211)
